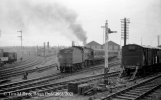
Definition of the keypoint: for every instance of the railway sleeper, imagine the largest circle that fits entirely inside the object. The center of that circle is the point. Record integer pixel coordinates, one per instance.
(136, 92)
(116, 99)
(150, 90)
(142, 89)
(132, 93)
(157, 91)
(128, 95)
(152, 95)
(123, 97)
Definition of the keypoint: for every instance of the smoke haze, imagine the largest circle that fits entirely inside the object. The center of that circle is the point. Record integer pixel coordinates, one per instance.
(38, 16)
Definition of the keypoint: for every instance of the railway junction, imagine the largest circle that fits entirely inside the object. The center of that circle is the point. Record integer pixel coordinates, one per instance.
(85, 69)
(46, 82)
(90, 72)
(85, 73)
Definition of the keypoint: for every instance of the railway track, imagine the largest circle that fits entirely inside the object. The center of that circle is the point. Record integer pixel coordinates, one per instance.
(18, 63)
(21, 71)
(57, 86)
(155, 95)
(40, 82)
(138, 91)
(20, 67)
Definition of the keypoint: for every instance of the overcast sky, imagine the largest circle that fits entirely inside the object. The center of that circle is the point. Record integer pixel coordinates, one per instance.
(62, 21)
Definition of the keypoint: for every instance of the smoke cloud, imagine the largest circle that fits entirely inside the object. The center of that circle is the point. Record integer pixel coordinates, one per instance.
(38, 15)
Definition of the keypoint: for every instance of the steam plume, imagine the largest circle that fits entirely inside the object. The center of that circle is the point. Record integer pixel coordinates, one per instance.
(40, 15)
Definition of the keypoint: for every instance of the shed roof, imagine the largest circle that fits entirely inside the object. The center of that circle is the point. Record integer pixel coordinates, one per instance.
(111, 43)
(93, 43)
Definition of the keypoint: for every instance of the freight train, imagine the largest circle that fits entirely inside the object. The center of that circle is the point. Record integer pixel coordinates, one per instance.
(138, 59)
(76, 57)
(7, 57)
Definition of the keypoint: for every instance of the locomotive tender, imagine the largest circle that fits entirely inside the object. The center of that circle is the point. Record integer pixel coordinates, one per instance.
(138, 58)
(76, 57)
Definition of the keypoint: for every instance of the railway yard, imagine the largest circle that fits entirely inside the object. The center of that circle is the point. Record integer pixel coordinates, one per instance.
(79, 73)
(55, 50)
(45, 82)
(53, 82)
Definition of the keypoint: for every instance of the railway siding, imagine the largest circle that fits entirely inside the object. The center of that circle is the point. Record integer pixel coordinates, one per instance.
(136, 91)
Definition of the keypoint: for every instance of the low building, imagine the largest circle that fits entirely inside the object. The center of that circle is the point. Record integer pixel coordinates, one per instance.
(112, 46)
(94, 45)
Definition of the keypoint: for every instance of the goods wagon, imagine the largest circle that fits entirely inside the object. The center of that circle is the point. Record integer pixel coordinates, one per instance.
(10, 57)
(138, 58)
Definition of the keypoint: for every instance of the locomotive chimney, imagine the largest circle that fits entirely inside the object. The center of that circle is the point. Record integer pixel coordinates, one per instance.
(73, 44)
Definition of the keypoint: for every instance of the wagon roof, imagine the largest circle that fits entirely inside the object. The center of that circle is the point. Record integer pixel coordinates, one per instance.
(79, 47)
(149, 47)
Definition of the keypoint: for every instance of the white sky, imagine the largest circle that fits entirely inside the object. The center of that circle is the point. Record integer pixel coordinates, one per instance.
(144, 15)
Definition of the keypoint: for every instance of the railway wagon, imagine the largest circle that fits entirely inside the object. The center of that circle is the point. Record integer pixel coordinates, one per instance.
(159, 55)
(3, 59)
(11, 57)
(136, 58)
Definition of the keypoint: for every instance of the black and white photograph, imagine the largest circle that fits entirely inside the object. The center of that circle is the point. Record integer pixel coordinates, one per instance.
(80, 49)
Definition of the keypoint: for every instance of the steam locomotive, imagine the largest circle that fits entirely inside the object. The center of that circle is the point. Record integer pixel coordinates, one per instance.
(76, 57)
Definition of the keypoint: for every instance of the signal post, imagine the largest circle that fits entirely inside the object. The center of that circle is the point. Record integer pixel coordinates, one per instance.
(106, 68)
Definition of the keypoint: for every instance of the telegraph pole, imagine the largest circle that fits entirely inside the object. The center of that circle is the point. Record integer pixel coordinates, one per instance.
(107, 32)
(21, 41)
(125, 29)
(20, 37)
